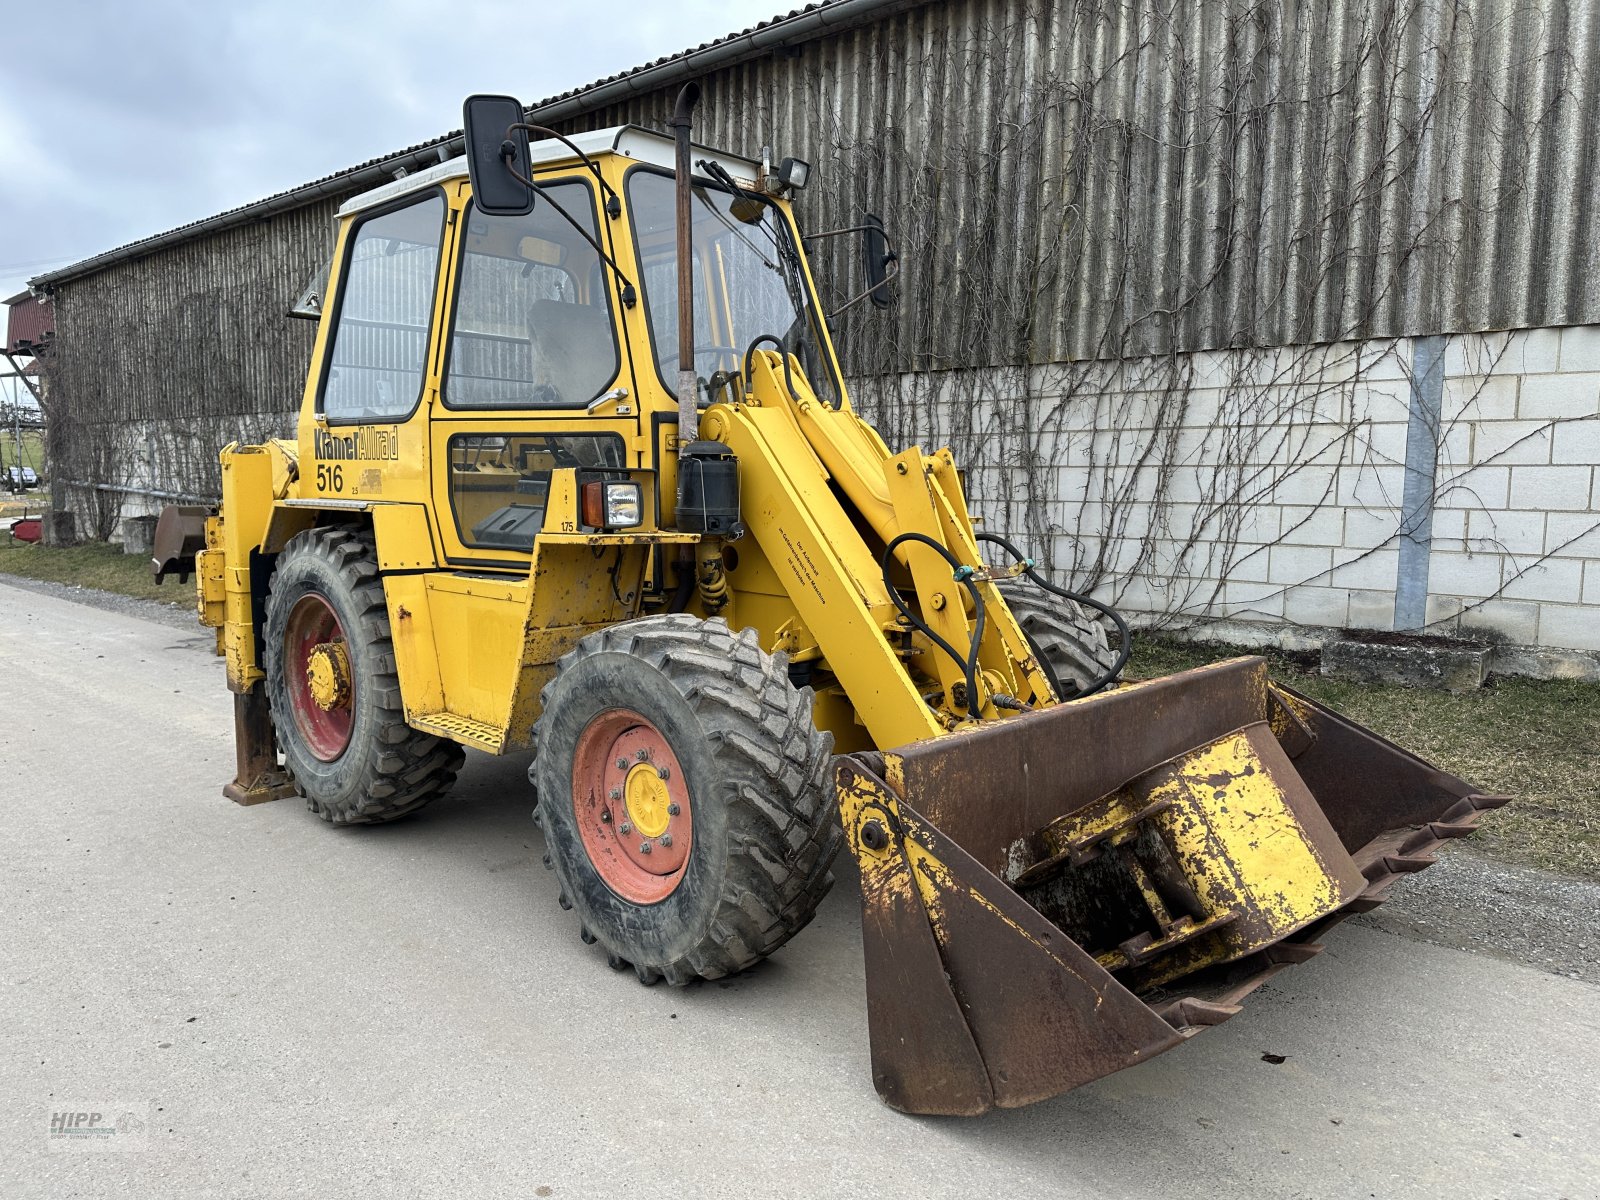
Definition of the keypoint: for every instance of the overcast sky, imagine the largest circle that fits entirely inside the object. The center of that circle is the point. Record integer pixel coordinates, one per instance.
(119, 120)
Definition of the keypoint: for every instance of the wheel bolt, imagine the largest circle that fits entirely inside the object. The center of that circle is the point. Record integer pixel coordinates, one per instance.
(625, 827)
(641, 755)
(663, 773)
(622, 764)
(616, 793)
(644, 847)
(673, 810)
(666, 839)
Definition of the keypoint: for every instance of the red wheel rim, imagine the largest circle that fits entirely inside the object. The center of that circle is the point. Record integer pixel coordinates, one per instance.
(316, 668)
(632, 806)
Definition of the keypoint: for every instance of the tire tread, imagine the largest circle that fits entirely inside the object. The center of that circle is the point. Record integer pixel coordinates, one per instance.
(406, 768)
(1073, 644)
(783, 824)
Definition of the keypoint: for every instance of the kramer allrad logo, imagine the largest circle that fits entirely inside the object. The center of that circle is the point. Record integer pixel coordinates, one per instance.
(367, 442)
(101, 1127)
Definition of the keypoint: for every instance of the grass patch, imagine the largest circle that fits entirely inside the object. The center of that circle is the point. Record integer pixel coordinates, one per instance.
(93, 565)
(32, 445)
(1534, 740)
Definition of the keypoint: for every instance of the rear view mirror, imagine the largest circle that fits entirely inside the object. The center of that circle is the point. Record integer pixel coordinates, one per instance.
(497, 155)
(875, 244)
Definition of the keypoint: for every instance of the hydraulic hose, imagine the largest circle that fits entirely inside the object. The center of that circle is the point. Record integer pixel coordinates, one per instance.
(685, 567)
(959, 574)
(750, 353)
(1106, 610)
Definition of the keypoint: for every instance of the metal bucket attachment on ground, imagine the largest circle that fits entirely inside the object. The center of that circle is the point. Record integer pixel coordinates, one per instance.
(180, 535)
(1054, 897)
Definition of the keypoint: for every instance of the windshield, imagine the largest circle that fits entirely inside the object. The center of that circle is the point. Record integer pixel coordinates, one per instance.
(748, 282)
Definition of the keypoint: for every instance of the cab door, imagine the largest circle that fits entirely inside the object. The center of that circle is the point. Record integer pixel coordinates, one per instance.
(363, 426)
(535, 375)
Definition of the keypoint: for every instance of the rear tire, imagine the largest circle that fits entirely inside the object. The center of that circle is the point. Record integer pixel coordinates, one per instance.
(1069, 644)
(357, 762)
(753, 826)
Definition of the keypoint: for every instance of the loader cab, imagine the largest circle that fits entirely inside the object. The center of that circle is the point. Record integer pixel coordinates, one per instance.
(465, 356)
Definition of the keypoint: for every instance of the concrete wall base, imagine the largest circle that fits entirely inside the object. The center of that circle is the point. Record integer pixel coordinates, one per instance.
(139, 535)
(1532, 662)
(1414, 662)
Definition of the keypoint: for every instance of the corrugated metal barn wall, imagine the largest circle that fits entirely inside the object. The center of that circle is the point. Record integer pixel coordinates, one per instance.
(161, 360)
(1075, 179)
(1065, 180)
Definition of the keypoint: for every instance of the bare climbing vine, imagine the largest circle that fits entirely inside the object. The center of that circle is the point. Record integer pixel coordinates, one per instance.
(1160, 265)
(1200, 350)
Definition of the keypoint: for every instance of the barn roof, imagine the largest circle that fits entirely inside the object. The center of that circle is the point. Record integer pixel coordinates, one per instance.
(793, 28)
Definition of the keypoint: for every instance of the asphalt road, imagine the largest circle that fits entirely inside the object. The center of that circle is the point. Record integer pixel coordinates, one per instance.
(403, 1010)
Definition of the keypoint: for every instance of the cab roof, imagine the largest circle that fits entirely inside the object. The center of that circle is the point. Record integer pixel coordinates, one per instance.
(630, 141)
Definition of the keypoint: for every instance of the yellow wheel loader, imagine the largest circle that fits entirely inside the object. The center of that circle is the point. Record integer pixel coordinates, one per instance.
(576, 473)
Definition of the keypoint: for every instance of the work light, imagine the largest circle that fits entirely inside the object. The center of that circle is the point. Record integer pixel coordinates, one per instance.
(793, 173)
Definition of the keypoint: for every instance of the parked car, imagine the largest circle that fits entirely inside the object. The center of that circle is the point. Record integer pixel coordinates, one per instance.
(19, 478)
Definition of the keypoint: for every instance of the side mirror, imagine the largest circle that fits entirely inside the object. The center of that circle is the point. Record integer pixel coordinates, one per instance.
(309, 305)
(497, 155)
(875, 244)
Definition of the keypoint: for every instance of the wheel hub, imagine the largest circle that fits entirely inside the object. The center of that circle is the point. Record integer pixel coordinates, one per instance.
(320, 682)
(646, 798)
(328, 675)
(632, 806)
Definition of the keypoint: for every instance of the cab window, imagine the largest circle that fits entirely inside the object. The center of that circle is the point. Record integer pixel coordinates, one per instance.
(533, 324)
(499, 482)
(748, 277)
(380, 344)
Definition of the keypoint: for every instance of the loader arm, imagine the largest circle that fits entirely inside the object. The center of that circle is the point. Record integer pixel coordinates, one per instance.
(824, 498)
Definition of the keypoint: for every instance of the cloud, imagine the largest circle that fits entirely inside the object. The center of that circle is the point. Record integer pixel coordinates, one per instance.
(120, 120)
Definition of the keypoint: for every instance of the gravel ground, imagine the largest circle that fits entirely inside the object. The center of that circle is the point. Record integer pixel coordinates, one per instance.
(179, 616)
(1471, 903)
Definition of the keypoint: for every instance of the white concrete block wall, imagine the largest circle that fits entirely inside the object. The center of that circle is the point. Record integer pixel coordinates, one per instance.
(1257, 491)
(1268, 486)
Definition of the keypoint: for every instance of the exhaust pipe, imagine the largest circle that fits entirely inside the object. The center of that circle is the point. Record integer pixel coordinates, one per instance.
(688, 410)
(682, 123)
(708, 481)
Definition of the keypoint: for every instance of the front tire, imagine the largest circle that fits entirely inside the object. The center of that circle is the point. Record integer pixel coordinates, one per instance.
(676, 734)
(333, 689)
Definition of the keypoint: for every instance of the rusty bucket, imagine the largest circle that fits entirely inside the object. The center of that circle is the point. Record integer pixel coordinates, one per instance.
(1057, 896)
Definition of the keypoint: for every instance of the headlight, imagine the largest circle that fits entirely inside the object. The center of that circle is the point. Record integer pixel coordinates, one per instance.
(614, 504)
